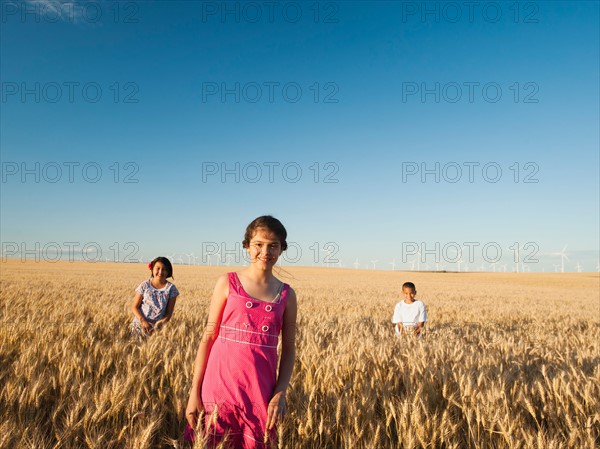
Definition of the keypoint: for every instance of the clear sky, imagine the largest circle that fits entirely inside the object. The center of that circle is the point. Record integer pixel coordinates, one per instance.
(371, 129)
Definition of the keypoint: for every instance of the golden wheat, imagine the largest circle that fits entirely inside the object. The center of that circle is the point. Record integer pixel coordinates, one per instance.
(507, 361)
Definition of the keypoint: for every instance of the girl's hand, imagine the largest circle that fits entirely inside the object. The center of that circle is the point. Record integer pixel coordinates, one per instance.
(194, 407)
(159, 324)
(147, 327)
(276, 410)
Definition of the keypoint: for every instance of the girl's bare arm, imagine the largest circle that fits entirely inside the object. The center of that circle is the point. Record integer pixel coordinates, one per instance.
(277, 405)
(215, 314)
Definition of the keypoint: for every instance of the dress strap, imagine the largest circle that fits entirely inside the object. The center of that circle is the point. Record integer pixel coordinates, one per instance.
(283, 292)
(234, 282)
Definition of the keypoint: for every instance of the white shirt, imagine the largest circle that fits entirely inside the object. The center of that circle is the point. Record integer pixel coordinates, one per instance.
(409, 314)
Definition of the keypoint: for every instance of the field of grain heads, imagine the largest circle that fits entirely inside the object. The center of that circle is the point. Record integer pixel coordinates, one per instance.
(509, 360)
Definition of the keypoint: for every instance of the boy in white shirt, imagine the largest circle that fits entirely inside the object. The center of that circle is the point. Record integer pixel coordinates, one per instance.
(409, 315)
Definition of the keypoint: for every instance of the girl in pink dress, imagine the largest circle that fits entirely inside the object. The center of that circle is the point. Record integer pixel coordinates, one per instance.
(235, 373)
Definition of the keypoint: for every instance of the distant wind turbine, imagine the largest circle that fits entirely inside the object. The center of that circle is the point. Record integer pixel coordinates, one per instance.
(563, 257)
(393, 264)
(374, 262)
(356, 264)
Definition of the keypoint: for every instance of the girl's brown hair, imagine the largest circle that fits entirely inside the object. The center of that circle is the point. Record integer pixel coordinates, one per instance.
(166, 262)
(269, 223)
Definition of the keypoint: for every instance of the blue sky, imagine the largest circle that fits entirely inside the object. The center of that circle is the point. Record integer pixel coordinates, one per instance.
(371, 129)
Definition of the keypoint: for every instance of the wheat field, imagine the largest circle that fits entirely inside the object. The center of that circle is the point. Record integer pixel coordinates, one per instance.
(509, 360)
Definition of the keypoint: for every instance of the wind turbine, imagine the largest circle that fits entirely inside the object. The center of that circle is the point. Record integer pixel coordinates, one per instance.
(418, 260)
(190, 256)
(393, 264)
(563, 256)
(458, 262)
(374, 262)
(556, 267)
(356, 264)
(493, 265)
(412, 265)
(218, 257)
(228, 257)
(579, 267)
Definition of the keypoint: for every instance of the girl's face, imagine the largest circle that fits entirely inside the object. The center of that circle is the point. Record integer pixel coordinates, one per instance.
(264, 248)
(409, 294)
(159, 270)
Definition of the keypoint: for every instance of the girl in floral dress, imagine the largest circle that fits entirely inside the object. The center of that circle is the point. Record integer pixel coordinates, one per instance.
(154, 299)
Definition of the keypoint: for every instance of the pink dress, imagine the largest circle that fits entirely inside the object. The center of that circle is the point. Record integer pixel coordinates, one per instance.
(241, 372)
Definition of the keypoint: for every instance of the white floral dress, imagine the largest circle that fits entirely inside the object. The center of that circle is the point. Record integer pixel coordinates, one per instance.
(154, 303)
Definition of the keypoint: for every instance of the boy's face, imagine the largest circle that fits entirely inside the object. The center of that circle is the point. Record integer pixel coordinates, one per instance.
(409, 294)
